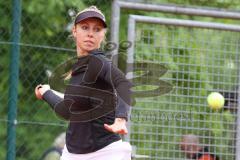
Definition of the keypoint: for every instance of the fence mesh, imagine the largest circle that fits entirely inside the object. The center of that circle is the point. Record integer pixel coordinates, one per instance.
(199, 61)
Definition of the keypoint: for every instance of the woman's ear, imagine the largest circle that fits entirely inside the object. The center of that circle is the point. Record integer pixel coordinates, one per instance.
(74, 32)
(103, 40)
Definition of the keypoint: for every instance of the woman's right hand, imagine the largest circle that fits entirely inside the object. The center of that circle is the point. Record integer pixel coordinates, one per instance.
(40, 90)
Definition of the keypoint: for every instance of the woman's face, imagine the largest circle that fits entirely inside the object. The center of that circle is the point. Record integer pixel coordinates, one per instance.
(89, 34)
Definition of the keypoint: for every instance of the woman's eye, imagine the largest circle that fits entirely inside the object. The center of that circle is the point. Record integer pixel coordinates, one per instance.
(84, 27)
(97, 29)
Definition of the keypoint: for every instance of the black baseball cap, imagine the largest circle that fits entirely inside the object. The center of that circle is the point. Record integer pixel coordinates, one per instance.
(91, 12)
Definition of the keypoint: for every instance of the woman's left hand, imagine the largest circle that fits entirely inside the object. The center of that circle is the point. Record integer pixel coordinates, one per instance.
(119, 126)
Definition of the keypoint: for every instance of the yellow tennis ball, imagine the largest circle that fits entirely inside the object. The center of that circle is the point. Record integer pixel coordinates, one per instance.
(215, 100)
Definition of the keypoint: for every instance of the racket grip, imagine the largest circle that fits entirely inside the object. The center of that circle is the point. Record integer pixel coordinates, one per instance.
(37, 92)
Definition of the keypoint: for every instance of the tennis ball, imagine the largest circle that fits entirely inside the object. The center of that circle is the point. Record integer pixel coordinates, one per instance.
(215, 100)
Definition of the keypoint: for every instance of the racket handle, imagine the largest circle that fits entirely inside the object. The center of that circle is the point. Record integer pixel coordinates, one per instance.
(37, 92)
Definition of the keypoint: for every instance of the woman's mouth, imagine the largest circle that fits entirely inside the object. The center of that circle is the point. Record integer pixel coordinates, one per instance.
(89, 42)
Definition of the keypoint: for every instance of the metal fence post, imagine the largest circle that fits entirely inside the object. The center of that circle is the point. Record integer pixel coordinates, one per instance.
(115, 21)
(129, 69)
(13, 80)
(238, 114)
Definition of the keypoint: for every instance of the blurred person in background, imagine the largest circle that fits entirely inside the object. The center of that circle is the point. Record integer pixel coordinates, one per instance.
(192, 148)
(55, 152)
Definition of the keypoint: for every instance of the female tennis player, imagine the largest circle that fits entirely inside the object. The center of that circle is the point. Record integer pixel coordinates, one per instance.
(96, 100)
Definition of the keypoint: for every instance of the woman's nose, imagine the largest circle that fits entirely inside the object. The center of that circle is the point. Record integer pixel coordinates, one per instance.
(90, 33)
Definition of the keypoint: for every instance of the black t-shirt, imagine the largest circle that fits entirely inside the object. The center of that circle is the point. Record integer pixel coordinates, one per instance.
(97, 93)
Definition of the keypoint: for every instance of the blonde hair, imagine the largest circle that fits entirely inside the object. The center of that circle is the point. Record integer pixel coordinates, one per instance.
(60, 140)
(91, 8)
(67, 75)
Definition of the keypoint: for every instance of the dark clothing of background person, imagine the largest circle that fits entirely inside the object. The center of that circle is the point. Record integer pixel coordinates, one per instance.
(99, 89)
(205, 155)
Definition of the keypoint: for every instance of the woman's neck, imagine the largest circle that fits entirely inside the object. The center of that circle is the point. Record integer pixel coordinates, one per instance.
(81, 53)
